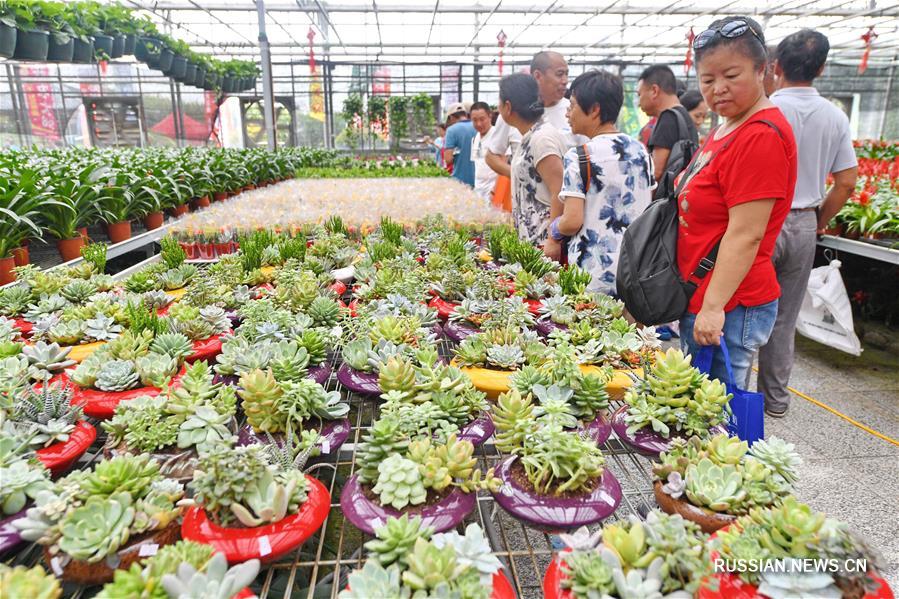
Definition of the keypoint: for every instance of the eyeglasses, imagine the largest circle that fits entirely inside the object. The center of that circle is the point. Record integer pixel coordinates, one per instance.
(730, 30)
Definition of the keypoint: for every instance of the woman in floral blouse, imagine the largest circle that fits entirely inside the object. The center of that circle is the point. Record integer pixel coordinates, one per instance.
(537, 164)
(595, 215)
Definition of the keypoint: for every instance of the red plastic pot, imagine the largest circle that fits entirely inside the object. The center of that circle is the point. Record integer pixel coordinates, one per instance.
(120, 231)
(222, 249)
(267, 542)
(533, 306)
(501, 587)
(69, 249)
(351, 307)
(154, 220)
(443, 307)
(206, 349)
(6, 273)
(59, 457)
(102, 404)
(207, 251)
(190, 250)
(20, 255)
(23, 325)
(552, 580)
(338, 287)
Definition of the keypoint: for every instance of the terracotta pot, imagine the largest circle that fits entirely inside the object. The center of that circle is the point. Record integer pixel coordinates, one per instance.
(708, 520)
(154, 220)
(6, 273)
(250, 187)
(69, 249)
(219, 196)
(20, 255)
(203, 202)
(180, 210)
(83, 232)
(120, 231)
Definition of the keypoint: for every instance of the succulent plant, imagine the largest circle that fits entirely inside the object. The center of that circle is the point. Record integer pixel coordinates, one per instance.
(116, 375)
(289, 361)
(324, 311)
(260, 391)
(373, 580)
(505, 357)
(142, 424)
(269, 498)
(355, 354)
(397, 375)
(216, 318)
(203, 429)
(305, 399)
(156, 299)
(513, 417)
(195, 388)
(724, 449)
(145, 582)
(129, 345)
(587, 574)
(66, 332)
(47, 305)
(14, 375)
(47, 359)
(157, 509)
(48, 413)
(21, 481)
(395, 539)
(174, 345)
(155, 370)
(314, 342)
(173, 279)
(383, 439)
(14, 299)
(555, 461)
(797, 584)
(33, 583)
(102, 328)
(553, 406)
(779, 456)
(98, 528)
(129, 474)
(430, 567)
(472, 551)
(718, 488)
(399, 483)
(217, 582)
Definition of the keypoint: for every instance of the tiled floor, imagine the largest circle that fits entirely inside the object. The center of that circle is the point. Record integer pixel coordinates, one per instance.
(848, 473)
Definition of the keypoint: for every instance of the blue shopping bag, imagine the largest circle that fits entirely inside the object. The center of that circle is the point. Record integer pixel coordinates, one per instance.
(747, 419)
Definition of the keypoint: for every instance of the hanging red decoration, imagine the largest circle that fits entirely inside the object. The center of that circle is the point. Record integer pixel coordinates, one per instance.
(868, 38)
(501, 41)
(688, 60)
(310, 35)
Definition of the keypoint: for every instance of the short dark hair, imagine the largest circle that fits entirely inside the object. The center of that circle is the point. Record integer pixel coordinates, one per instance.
(661, 75)
(480, 106)
(599, 87)
(681, 87)
(522, 92)
(802, 54)
(691, 99)
(749, 45)
(541, 60)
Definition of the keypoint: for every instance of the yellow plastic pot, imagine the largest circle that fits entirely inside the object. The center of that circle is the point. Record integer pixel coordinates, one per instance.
(177, 293)
(268, 270)
(620, 382)
(80, 352)
(491, 382)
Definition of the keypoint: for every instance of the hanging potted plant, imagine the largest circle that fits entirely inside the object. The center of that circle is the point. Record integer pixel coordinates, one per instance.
(407, 557)
(83, 23)
(422, 113)
(398, 112)
(88, 520)
(555, 479)
(8, 30)
(253, 502)
(32, 40)
(62, 43)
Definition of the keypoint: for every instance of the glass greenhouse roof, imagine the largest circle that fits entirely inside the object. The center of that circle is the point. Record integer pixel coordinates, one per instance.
(466, 31)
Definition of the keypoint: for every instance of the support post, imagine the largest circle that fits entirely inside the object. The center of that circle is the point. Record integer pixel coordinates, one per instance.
(267, 91)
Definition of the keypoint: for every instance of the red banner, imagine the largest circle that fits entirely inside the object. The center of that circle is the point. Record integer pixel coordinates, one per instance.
(688, 61)
(501, 41)
(39, 103)
(868, 38)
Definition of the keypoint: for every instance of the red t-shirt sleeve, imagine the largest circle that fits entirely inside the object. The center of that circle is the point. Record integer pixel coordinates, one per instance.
(757, 167)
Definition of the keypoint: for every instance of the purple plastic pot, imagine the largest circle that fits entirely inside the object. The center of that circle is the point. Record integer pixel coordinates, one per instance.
(599, 429)
(557, 513)
(457, 331)
(333, 434)
(437, 330)
(546, 326)
(645, 440)
(9, 534)
(230, 380)
(363, 383)
(366, 515)
(320, 373)
(477, 431)
(234, 317)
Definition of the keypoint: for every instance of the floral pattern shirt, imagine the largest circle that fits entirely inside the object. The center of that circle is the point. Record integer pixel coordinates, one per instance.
(530, 195)
(620, 190)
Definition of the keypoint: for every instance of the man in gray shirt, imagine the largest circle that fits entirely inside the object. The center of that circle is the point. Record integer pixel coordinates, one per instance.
(824, 146)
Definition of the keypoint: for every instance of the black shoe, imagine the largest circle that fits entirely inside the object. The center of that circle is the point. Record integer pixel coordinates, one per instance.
(776, 413)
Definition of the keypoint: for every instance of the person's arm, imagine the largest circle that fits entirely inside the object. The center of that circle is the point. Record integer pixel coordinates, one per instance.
(448, 156)
(572, 218)
(550, 170)
(659, 161)
(498, 164)
(843, 186)
(746, 227)
(663, 137)
(449, 145)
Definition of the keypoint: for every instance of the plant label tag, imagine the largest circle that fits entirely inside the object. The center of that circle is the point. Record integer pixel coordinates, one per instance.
(265, 547)
(148, 550)
(56, 566)
(326, 446)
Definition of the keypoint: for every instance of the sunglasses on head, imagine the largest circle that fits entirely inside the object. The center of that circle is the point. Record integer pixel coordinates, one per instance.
(730, 30)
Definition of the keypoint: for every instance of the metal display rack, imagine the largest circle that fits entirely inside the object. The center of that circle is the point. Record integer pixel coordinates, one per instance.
(319, 568)
(860, 248)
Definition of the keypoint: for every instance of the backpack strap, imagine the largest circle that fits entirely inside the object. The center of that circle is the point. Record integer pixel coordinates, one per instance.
(583, 161)
(682, 130)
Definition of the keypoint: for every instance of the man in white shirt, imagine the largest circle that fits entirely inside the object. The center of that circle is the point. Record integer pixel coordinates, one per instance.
(551, 72)
(484, 176)
(824, 146)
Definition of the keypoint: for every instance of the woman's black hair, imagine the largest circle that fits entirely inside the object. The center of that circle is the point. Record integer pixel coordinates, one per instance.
(691, 99)
(749, 45)
(522, 92)
(599, 87)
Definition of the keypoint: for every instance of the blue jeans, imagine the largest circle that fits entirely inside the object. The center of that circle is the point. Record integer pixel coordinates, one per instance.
(745, 331)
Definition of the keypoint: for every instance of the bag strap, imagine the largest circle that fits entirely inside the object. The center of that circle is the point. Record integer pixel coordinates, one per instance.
(705, 356)
(583, 161)
(682, 130)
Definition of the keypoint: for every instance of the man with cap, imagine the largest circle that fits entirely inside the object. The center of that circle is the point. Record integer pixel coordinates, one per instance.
(457, 144)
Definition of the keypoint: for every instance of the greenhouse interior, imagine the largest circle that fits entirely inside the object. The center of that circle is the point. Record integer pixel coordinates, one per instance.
(450, 299)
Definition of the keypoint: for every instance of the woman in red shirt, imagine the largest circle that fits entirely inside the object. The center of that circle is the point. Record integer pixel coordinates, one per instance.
(737, 192)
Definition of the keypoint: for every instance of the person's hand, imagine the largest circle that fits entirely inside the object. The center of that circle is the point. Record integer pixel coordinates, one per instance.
(553, 249)
(708, 327)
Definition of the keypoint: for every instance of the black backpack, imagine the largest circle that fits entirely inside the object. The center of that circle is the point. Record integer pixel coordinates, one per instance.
(681, 154)
(648, 280)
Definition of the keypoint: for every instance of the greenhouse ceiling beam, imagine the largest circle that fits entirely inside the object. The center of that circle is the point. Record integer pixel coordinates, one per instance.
(595, 14)
(166, 19)
(208, 12)
(481, 26)
(643, 18)
(546, 10)
(431, 27)
(374, 5)
(324, 13)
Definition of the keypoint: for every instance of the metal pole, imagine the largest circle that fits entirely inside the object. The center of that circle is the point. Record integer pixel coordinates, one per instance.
(13, 92)
(267, 91)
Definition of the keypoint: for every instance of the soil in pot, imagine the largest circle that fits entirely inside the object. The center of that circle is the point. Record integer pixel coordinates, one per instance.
(154, 220)
(6, 273)
(83, 51)
(31, 45)
(708, 520)
(60, 52)
(119, 231)
(7, 40)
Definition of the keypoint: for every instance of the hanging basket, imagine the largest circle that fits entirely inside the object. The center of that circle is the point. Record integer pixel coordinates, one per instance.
(268, 542)
(59, 457)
